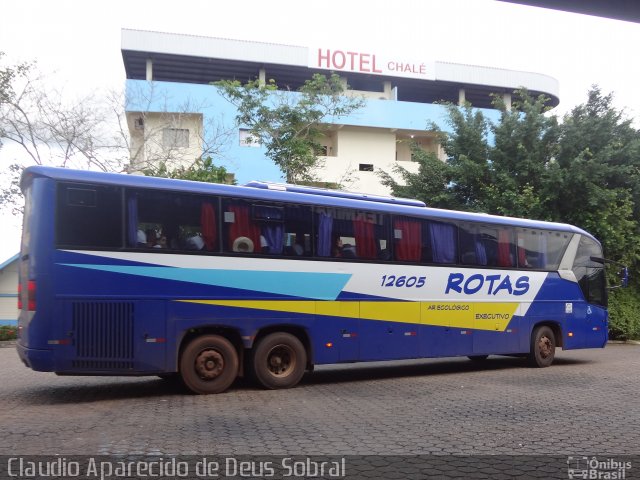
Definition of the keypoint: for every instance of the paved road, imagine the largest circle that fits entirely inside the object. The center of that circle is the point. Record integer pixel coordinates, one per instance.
(587, 403)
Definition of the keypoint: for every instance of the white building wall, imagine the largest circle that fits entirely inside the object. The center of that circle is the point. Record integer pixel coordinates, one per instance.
(352, 147)
(9, 293)
(149, 145)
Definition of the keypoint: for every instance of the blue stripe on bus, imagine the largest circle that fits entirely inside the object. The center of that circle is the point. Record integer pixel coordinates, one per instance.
(311, 285)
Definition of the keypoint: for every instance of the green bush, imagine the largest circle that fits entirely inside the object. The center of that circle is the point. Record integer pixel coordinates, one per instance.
(624, 313)
(8, 332)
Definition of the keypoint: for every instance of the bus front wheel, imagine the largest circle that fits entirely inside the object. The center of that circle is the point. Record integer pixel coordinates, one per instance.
(543, 347)
(209, 364)
(279, 361)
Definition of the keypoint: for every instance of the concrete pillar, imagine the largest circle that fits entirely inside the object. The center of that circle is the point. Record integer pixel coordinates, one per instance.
(149, 69)
(262, 77)
(507, 101)
(387, 90)
(461, 97)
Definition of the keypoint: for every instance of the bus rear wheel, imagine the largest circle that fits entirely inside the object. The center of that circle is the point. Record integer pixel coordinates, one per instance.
(543, 347)
(209, 364)
(279, 361)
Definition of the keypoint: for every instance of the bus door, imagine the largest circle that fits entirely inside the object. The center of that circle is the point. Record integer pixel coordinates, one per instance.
(590, 320)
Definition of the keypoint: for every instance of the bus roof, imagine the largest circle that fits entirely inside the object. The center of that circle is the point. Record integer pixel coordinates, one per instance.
(334, 193)
(301, 195)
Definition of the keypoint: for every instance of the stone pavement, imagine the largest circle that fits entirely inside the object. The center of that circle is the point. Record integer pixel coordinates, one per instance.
(588, 402)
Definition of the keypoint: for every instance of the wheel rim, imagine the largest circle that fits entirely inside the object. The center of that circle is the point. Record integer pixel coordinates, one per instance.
(209, 364)
(281, 360)
(545, 347)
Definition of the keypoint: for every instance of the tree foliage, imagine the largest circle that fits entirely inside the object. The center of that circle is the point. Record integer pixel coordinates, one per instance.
(429, 183)
(583, 169)
(290, 125)
(201, 170)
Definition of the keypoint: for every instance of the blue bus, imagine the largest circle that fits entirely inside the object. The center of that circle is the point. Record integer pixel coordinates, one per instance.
(131, 275)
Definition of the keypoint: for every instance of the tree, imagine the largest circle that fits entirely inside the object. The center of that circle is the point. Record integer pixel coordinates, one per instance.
(50, 128)
(599, 160)
(467, 150)
(201, 170)
(156, 121)
(93, 132)
(290, 124)
(429, 184)
(522, 159)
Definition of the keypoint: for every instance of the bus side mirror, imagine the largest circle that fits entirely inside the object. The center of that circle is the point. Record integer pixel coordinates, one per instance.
(623, 273)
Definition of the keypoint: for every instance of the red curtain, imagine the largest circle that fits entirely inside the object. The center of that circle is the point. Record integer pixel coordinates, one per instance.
(209, 226)
(243, 227)
(504, 248)
(409, 247)
(365, 242)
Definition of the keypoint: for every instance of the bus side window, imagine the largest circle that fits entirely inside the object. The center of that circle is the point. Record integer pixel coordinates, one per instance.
(443, 242)
(472, 246)
(166, 221)
(89, 216)
(241, 233)
(590, 275)
(407, 239)
(297, 230)
(351, 234)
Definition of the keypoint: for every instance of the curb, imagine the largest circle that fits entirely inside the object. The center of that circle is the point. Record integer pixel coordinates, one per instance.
(7, 343)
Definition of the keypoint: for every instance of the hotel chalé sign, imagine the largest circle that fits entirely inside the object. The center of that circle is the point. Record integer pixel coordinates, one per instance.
(378, 63)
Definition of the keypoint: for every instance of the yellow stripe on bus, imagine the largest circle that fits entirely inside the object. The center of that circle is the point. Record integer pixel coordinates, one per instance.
(473, 315)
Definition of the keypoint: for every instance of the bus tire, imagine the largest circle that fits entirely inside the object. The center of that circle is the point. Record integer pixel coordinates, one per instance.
(209, 364)
(279, 361)
(543, 347)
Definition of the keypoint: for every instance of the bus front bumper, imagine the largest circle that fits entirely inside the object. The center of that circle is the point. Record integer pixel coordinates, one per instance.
(38, 360)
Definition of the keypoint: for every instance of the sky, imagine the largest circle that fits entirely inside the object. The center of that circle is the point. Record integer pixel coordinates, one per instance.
(79, 40)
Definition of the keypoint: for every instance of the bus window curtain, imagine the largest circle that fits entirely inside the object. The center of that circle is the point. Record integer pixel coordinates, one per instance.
(325, 227)
(542, 251)
(273, 229)
(208, 225)
(504, 248)
(243, 227)
(481, 251)
(408, 248)
(522, 253)
(132, 221)
(365, 242)
(443, 242)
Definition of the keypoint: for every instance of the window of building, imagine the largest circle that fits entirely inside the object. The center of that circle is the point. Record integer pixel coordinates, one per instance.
(366, 167)
(175, 137)
(248, 140)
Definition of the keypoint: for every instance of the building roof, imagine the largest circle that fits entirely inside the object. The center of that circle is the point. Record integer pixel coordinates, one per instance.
(9, 261)
(197, 59)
